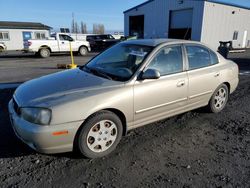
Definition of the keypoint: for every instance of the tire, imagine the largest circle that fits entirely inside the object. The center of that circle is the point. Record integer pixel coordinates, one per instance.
(219, 99)
(1, 49)
(99, 135)
(44, 52)
(83, 51)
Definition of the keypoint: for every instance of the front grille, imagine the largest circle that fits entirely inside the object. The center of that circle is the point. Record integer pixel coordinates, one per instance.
(16, 107)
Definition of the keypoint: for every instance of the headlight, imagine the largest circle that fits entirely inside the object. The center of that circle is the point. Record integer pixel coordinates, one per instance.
(40, 116)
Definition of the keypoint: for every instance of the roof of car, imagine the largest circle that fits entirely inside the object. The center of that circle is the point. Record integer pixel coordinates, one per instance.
(156, 42)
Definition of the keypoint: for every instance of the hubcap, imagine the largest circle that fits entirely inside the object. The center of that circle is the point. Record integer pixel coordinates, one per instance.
(83, 51)
(220, 98)
(44, 53)
(102, 136)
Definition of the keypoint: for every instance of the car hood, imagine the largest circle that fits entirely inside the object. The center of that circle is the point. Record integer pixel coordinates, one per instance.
(71, 84)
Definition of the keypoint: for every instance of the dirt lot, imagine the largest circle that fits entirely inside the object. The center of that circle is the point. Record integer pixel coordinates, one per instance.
(195, 149)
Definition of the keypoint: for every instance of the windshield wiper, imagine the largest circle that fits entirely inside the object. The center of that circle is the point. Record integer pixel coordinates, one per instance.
(97, 72)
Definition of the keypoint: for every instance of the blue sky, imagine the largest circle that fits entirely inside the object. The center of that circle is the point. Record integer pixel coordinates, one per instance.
(59, 13)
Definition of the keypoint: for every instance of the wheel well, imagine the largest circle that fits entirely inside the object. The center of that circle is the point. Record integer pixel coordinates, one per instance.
(122, 118)
(84, 47)
(228, 86)
(45, 47)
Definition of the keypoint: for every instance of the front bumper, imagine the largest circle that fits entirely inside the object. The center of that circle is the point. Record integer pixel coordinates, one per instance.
(41, 138)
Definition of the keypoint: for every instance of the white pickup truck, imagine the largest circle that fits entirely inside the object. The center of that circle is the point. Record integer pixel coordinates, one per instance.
(59, 42)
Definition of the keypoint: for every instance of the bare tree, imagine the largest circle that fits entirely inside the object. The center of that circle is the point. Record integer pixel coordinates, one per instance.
(101, 29)
(84, 28)
(98, 29)
(73, 26)
(73, 23)
(76, 28)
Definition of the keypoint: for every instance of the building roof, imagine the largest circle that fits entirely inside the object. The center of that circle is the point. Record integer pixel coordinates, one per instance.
(23, 25)
(229, 4)
(212, 1)
(140, 5)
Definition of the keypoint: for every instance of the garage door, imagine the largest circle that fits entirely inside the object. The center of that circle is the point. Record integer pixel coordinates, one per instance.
(136, 26)
(181, 24)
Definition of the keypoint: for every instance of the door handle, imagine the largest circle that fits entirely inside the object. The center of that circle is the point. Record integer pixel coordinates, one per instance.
(216, 74)
(181, 83)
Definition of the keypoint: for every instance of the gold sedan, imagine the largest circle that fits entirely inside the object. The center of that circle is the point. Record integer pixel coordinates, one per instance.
(131, 84)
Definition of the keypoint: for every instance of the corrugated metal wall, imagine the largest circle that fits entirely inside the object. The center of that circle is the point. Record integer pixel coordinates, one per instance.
(157, 17)
(212, 22)
(220, 23)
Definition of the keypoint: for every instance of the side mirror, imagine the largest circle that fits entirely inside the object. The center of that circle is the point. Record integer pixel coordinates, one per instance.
(150, 74)
(71, 39)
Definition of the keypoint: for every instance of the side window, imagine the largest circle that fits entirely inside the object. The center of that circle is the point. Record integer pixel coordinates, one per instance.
(198, 57)
(89, 38)
(235, 35)
(65, 37)
(39, 35)
(214, 58)
(4, 35)
(61, 37)
(168, 61)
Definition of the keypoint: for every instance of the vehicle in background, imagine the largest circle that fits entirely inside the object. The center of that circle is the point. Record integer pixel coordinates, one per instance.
(13, 34)
(118, 35)
(101, 42)
(58, 42)
(2, 47)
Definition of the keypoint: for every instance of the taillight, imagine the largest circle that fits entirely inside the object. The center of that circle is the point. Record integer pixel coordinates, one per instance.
(27, 43)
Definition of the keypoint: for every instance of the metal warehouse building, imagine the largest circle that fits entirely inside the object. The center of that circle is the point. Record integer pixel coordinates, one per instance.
(13, 34)
(207, 21)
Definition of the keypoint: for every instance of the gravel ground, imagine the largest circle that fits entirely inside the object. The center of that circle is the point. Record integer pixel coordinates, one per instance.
(195, 149)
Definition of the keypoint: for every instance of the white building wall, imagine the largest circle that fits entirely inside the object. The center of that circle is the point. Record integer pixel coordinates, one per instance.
(219, 24)
(157, 17)
(15, 41)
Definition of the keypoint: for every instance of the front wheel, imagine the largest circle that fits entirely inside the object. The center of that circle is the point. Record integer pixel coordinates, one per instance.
(83, 51)
(219, 99)
(99, 135)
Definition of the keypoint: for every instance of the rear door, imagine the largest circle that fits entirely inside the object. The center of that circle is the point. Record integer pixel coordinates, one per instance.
(203, 74)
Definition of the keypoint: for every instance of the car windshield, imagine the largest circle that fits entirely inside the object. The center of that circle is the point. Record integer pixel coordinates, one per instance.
(119, 62)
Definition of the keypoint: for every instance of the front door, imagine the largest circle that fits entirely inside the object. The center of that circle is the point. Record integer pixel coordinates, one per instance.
(156, 99)
(64, 43)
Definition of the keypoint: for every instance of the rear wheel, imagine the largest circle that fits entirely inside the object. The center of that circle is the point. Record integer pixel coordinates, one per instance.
(219, 99)
(44, 52)
(83, 51)
(99, 135)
